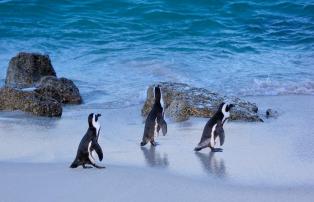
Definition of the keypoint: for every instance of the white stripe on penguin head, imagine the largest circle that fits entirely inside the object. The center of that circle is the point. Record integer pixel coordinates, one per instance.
(162, 100)
(96, 124)
(154, 91)
(225, 113)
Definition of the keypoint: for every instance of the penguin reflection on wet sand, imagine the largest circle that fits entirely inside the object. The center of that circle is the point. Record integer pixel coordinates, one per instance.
(213, 130)
(212, 165)
(89, 144)
(155, 120)
(153, 158)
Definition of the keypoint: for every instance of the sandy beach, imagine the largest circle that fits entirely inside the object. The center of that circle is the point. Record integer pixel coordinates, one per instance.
(269, 161)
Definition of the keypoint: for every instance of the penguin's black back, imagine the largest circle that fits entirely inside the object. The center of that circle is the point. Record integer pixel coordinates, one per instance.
(218, 116)
(157, 109)
(151, 119)
(83, 146)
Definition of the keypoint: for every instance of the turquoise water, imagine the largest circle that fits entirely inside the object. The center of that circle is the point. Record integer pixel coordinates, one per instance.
(113, 49)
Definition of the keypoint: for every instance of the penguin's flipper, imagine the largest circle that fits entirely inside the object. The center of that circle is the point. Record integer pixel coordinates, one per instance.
(220, 133)
(222, 137)
(98, 150)
(158, 128)
(162, 124)
(164, 127)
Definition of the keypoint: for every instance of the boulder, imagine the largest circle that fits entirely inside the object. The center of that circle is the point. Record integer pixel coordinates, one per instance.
(31, 85)
(60, 89)
(26, 69)
(178, 110)
(29, 101)
(182, 101)
(270, 113)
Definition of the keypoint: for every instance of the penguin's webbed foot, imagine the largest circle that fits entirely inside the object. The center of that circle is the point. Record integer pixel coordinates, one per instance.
(99, 167)
(153, 143)
(216, 149)
(198, 148)
(85, 167)
(143, 144)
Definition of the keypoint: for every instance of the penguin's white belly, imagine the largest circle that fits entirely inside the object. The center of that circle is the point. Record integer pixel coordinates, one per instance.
(212, 141)
(212, 135)
(217, 140)
(156, 133)
(90, 153)
(97, 129)
(94, 154)
(205, 143)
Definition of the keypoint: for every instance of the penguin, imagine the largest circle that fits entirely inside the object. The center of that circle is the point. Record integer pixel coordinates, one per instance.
(155, 119)
(213, 130)
(89, 144)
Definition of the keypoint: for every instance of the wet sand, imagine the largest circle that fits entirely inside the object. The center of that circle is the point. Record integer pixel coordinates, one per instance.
(52, 182)
(274, 158)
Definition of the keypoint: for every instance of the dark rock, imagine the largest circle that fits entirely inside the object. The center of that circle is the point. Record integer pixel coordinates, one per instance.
(270, 113)
(45, 93)
(60, 89)
(26, 69)
(29, 101)
(182, 101)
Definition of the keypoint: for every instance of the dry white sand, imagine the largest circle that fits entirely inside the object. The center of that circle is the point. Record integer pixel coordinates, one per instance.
(270, 161)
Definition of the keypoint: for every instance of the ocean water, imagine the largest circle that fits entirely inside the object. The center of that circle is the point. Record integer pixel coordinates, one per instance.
(114, 49)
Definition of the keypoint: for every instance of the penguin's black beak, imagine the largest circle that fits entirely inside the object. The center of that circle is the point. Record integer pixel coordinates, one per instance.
(98, 115)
